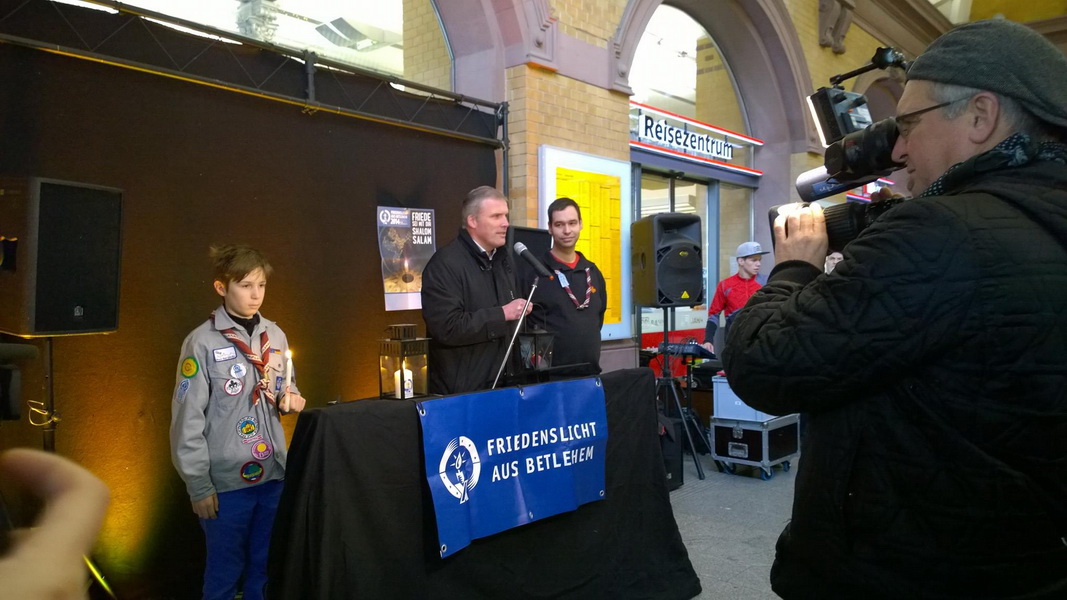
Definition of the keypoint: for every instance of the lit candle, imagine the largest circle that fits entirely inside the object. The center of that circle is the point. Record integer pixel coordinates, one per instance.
(403, 389)
(288, 379)
(407, 277)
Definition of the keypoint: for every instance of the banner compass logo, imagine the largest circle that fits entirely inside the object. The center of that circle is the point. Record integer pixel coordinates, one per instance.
(460, 467)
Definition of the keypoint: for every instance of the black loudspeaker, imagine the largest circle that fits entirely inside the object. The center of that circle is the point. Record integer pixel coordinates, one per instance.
(539, 241)
(670, 442)
(667, 260)
(62, 244)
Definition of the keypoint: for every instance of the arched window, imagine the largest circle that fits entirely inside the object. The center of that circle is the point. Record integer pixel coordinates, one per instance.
(402, 38)
(678, 69)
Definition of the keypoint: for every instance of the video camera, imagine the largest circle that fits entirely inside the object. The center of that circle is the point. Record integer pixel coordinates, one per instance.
(844, 222)
(858, 151)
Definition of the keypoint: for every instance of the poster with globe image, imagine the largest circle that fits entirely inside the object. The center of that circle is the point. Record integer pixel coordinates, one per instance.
(406, 243)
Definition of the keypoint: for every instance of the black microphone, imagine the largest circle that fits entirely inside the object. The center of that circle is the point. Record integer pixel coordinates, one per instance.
(530, 258)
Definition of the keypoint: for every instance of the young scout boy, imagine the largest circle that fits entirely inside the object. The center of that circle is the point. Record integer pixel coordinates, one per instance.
(225, 434)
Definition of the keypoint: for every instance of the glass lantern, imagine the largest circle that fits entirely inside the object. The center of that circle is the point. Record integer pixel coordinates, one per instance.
(531, 358)
(402, 364)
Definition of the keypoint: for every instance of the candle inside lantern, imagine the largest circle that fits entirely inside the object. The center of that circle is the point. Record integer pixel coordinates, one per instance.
(288, 378)
(403, 388)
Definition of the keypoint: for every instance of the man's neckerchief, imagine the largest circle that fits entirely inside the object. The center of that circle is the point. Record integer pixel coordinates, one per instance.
(567, 287)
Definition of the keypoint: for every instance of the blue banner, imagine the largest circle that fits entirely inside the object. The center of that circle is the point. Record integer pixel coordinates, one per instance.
(503, 458)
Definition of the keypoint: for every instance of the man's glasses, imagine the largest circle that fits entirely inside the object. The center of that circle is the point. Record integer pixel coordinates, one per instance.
(907, 121)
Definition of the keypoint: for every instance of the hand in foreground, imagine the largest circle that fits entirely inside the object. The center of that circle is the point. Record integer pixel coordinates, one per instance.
(291, 403)
(207, 508)
(46, 562)
(800, 234)
(708, 347)
(513, 309)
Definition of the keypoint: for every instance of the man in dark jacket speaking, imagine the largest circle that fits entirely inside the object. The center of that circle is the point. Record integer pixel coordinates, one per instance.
(931, 364)
(469, 298)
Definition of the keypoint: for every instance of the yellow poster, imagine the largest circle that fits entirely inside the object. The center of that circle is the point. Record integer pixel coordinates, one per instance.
(599, 198)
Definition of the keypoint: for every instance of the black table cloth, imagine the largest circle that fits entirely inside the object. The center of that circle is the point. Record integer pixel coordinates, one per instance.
(356, 519)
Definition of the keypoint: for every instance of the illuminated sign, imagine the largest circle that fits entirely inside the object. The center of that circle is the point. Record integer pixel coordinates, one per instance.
(664, 132)
(675, 137)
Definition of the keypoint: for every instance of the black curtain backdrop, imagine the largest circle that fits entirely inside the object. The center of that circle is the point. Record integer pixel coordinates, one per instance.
(198, 166)
(356, 518)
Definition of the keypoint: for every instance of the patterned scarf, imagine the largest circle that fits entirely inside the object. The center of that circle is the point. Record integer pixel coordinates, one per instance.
(1015, 151)
(589, 289)
(262, 388)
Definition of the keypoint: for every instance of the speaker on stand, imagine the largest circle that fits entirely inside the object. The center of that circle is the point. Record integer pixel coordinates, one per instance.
(60, 252)
(59, 270)
(667, 260)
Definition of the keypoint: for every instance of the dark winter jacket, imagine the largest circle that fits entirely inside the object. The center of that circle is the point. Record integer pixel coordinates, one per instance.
(576, 332)
(462, 295)
(931, 369)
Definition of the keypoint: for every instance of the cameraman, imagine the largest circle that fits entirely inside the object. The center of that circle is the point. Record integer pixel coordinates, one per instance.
(931, 367)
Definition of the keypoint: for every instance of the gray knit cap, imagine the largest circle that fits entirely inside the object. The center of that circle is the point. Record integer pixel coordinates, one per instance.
(1004, 57)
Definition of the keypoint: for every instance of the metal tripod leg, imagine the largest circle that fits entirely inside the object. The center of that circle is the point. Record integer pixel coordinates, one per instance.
(669, 383)
(49, 445)
(691, 417)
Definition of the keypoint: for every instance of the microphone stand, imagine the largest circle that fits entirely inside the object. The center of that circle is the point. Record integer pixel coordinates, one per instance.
(518, 325)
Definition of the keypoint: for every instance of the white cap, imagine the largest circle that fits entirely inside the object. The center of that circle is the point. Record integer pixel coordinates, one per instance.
(749, 249)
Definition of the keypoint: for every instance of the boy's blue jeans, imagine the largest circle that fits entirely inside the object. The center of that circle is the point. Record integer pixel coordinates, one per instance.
(238, 541)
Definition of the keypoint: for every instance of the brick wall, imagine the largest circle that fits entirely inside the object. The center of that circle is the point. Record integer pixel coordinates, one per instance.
(824, 63)
(591, 21)
(717, 104)
(547, 108)
(426, 58)
(1031, 10)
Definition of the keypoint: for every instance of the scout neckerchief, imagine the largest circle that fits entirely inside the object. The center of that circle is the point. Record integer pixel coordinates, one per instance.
(260, 363)
(567, 288)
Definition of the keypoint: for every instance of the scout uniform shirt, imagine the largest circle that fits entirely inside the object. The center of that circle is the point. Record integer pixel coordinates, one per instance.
(224, 435)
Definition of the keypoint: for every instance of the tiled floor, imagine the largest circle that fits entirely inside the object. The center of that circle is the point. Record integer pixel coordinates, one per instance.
(729, 524)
